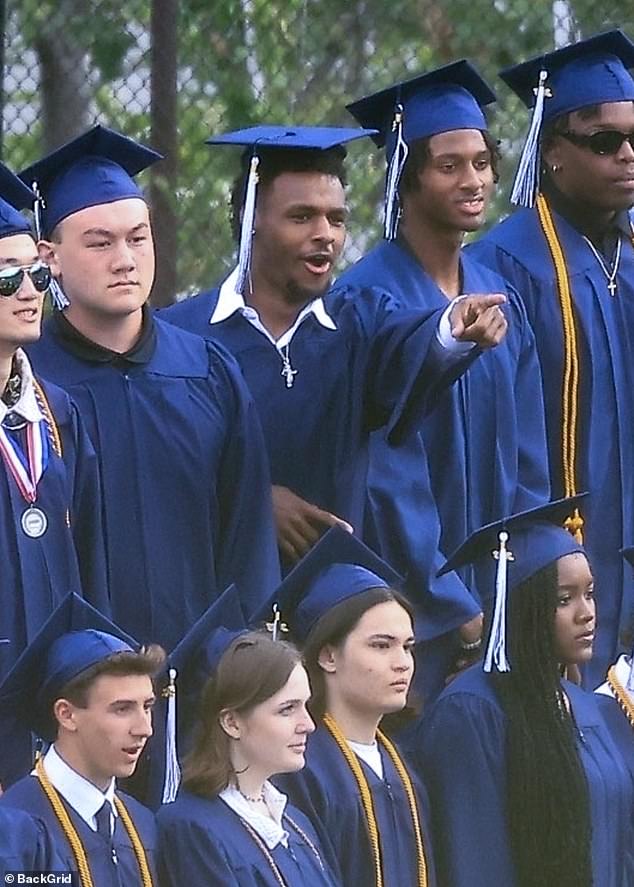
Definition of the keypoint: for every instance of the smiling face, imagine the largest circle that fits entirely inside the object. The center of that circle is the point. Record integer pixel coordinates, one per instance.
(575, 616)
(271, 737)
(370, 672)
(105, 737)
(104, 257)
(21, 313)
(604, 182)
(300, 229)
(455, 183)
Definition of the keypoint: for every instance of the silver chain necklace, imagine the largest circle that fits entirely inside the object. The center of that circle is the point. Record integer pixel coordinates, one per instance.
(609, 273)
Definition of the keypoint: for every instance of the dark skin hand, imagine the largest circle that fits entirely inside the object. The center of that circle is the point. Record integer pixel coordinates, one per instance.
(300, 524)
(479, 319)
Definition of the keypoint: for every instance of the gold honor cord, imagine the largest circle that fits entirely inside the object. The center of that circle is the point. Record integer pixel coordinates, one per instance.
(71, 835)
(570, 394)
(49, 418)
(621, 696)
(368, 805)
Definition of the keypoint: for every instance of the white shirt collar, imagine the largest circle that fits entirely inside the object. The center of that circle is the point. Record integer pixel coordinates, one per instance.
(269, 828)
(27, 405)
(84, 797)
(623, 668)
(230, 301)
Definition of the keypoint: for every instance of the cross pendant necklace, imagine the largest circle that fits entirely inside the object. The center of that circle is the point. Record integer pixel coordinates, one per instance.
(287, 370)
(609, 273)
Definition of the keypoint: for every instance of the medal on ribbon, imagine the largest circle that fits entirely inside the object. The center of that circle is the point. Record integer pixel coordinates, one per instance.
(26, 469)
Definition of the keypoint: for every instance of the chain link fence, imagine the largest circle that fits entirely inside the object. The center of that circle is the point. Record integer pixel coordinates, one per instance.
(172, 72)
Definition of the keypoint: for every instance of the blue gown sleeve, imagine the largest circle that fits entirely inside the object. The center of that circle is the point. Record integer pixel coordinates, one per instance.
(406, 366)
(460, 753)
(247, 549)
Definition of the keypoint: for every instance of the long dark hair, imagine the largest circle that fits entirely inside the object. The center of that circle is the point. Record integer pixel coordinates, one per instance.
(253, 669)
(332, 629)
(547, 792)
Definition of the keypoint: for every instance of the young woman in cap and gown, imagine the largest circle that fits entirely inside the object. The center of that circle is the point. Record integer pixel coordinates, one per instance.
(527, 787)
(229, 825)
(357, 788)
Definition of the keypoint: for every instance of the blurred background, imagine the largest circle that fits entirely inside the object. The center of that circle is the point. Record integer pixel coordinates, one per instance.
(172, 72)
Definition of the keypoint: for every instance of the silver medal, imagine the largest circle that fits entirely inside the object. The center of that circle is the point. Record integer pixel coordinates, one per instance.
(34, 522)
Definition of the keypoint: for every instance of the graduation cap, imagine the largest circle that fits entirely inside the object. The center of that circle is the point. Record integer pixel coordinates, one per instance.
(337, 568)
(188, 667)
(442, 100)
(14, 196)
(97, 167)
(276, 137)
(75, 637)
(590, 72)
(522, 544)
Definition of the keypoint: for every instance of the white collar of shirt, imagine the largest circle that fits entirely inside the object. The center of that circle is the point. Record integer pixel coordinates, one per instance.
(230, 301)
(369, 754)
(623, 668)
(27, 405)
(84, 797)
(269, 828)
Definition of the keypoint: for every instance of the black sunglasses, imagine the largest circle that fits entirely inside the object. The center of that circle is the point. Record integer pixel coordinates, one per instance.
(606, 141)
(11, 278)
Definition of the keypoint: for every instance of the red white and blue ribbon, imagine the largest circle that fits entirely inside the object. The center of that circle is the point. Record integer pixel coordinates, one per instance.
(26, 468)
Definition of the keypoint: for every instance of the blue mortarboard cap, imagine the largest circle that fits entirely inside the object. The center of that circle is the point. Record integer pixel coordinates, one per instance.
(276, 137)
(95, 168)
(301, 138)
(590, 72)
(338, 567)
(74, 637)
(188, 666)
(443, 100)
(522, 544)
(14, 196)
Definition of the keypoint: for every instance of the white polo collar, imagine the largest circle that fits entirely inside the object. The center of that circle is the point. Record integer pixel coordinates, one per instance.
(269, 828)
(230, 301)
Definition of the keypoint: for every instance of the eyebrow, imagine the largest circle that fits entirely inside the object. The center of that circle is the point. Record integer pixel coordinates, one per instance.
(151, 698)
(389, 637)
(106, 232)
(12, 261)
(309, 207)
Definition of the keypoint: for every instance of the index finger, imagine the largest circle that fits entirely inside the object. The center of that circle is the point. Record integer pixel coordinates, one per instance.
(486, 300)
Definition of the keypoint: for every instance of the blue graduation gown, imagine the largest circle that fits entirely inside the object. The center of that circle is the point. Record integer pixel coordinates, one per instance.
(38, 573)
(460, 748)
(621, 730)
(517, 249)
(28, 795)
(187, 506)
(327, 792)
(203, 841)
(379, 369)
(483, 446)
(25, 846)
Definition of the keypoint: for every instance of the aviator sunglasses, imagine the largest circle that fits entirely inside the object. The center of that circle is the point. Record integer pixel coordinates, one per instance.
(11, 278)
(606, 141)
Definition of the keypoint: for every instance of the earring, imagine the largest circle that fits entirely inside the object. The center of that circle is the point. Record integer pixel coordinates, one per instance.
(555, 168)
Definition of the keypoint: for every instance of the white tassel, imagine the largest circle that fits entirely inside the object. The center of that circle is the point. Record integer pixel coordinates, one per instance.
(394, 173)
(172, 769)
(246, 230)
(630, 679)
(527, 176)
(496, 648)
(57, 294)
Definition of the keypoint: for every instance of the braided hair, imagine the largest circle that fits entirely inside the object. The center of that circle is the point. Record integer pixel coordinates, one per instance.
(547, 792)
